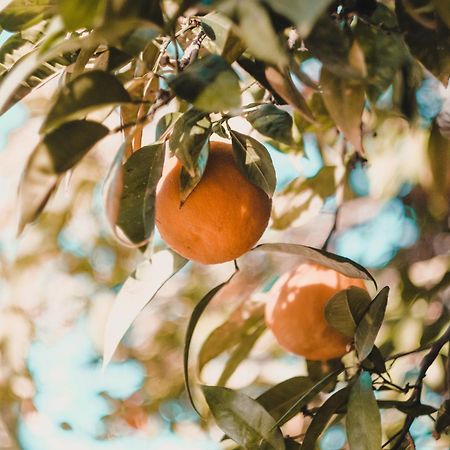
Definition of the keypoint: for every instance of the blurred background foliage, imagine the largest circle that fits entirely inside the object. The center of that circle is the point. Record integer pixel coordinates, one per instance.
(380, 196)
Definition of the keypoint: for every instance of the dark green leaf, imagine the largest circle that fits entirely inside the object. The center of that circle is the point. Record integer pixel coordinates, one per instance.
(443, 418)
(220, 30)
(363, 416)
(190, 134)
(279, 398)
(345, 103)
(87, 92)
(412, 409)
(210, 84)
(254, 162)
(272, 122)
(243, 419)
(302, 13)
(21, 14)
(195, 317)
(292, 445)
(230, 333)
(370, 324)
(58, 152)
(167, 121)
(375, 361)
(139, 41)
(81, 13)
(307, 397)
(323, 416)
(322, 257)
(241, 352)
(140, 175)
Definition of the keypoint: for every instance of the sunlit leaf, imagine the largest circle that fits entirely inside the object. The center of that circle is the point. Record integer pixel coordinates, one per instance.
(279, 398)
(167, 121)
(272, 122)
(243, 419)
(140, 175)
(254, 161)
(210, 84)
(322, 417)
(195, 317)
(89, 91)
(137, 291)
(81, 13)
(370, 324)
(345, 103)
(363, 416)
(21, 14)
(58, 152)
(322, 257)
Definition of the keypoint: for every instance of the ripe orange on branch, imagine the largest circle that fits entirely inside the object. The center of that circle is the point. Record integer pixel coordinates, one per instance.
(295, 311)
(222, 218)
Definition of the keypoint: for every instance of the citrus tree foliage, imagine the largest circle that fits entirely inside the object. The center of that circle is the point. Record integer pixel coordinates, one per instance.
(186, 70)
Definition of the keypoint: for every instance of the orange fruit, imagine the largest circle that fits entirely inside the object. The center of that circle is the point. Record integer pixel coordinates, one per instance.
(295, 311)
(223, 217)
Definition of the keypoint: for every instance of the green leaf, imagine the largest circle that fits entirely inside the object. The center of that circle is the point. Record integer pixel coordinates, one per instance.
(58, 152)
(411, 408)
(323, 415)
(279, 398)
(140, 175)
(167, 121)
(439, 159)
(345, 309)
(345, 103)
(195, 317)
(375, 361)
(78, 14)
(140, 40)
(190, 134)
(243, 419)
(384, 49)
(219, 29)
(363, 421)
(322, 257)
(272, 122)
(370, 324)
(302, 13)
(307, 397)
(89, 91)
(138, 290)
(442, 7)
(241, 352)
(21, 14)
(256, 30)
(200, 159)
(243, 319)
(254, 161)
(210, 84)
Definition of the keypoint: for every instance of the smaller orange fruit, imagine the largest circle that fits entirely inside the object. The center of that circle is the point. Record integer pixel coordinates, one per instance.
(295, 311)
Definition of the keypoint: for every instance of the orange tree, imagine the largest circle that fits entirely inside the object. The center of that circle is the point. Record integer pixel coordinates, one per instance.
(188, 71)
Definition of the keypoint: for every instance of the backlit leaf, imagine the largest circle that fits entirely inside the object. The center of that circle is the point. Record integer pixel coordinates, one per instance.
(243, 419)
(322, 257)
(21, 14)
(370, 324)
(210, 84)
(254, 161)
(272, 122)
(85, 93)
(58, 152)
(137, 291)
(140, 175)
(363, 421)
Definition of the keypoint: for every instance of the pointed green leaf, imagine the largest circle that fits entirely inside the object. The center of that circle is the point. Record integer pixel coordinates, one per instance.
(363, 416)
(370, 324)
(322, 257)
(345, 103)
(195, 317)
(254, 161)
(140, 175)
(243, 419)
(210, 84)
(322, 417)
(272, 122)
(21, 14)
(279, 398)
(58, 152)
(138, 290)
(167, 121)
(89, 91)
